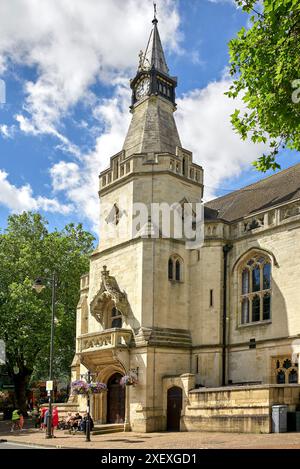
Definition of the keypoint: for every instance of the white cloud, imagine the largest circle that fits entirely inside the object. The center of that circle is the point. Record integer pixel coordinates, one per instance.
(21, 198)
(203, 119)
(79, 181)
(7, 131)
(72, 44)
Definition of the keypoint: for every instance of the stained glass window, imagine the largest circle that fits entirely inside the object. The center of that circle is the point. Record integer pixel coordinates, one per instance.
(255, 278)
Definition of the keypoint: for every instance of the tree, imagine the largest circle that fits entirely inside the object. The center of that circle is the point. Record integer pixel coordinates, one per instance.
(28, 251)
(265, 64)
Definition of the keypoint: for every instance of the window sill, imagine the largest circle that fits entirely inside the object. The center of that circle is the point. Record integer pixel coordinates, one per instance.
(175, 281)
(258, 323)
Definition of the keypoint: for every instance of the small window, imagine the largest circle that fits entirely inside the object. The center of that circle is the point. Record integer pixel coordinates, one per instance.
(116, 318)
(293, 377)
(170, 269)
(285, 371)
(211, 298)
(281, 377)
(177, 276)
(175, 266)
(116, 214)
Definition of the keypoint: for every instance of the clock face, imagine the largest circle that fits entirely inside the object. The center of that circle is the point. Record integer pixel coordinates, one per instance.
(143, 88)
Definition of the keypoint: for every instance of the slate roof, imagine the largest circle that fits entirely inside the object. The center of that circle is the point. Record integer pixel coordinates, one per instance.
(282, 187)
(154, 55)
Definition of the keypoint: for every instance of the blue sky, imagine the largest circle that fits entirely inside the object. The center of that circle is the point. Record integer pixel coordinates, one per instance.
(66, 66)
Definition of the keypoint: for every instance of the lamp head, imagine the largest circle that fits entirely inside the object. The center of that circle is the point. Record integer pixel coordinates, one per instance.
(38, 285)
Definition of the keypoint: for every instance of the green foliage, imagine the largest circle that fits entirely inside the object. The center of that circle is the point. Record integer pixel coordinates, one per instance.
(265, 64)
(28, 251)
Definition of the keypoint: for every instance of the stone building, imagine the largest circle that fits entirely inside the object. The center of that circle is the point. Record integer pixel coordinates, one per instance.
(211, 334)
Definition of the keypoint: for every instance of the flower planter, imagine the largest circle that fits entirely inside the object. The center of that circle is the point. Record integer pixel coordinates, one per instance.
(129, 380)
(83, 388)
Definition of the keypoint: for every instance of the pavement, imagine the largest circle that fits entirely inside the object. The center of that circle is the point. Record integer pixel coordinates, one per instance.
(126, 440)
(14, 446)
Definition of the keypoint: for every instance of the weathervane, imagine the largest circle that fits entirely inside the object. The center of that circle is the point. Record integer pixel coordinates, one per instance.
(154, 6)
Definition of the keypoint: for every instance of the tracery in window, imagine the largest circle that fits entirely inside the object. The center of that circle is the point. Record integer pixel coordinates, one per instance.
(255, 289)
(284, 370)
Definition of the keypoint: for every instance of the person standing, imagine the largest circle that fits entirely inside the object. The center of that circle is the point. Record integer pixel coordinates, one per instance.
(21, 421)
(15, 420)
(43, 411)
(54, 418)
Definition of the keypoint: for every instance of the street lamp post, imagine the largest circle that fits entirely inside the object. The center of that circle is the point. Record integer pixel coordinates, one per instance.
(87, 376)
(39, 286)
(88, 420)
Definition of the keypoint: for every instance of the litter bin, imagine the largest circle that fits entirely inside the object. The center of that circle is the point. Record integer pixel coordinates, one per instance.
(279, 418)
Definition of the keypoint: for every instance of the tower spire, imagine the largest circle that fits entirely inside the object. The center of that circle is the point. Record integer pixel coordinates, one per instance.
(154, 55)
(154, 16)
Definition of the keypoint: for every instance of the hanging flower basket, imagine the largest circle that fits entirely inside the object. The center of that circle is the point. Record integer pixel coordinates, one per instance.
(84, 388)
(129, 380)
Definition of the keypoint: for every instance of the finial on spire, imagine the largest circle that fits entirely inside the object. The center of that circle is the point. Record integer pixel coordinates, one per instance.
(155, 21)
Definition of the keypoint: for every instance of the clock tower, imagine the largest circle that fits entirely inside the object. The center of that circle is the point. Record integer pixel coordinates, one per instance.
(134, 311)
(152, 128)
(152, 76)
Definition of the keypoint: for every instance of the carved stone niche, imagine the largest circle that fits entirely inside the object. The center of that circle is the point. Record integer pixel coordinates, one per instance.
(290, 211)
(108, 297)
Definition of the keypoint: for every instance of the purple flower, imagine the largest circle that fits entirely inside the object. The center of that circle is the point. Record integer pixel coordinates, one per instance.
(82, 387)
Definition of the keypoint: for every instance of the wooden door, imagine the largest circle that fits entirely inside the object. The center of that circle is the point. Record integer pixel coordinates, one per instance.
(115, 400)
(174, 409)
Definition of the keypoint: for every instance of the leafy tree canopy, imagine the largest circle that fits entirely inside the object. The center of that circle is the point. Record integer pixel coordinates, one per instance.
(29, 251)
(265, 64)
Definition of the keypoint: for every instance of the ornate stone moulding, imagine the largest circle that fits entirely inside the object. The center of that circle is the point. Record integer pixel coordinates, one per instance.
(109, 296)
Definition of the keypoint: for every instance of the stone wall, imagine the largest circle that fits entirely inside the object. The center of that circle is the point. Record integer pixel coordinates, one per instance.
(237, 408)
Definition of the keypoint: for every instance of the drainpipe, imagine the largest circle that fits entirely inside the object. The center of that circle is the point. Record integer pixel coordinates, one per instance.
(226, 250)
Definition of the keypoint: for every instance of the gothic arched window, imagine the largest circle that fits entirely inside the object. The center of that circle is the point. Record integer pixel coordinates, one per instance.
(116, 318)
(170, 269)
(285, 371)
(255, 289)
(175, 268)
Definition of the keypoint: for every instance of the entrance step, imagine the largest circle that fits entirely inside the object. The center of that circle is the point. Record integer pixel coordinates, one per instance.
(108, 428)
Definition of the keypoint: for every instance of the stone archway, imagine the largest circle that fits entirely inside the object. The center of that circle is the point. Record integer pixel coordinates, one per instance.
(115, 400)
(174, 406)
